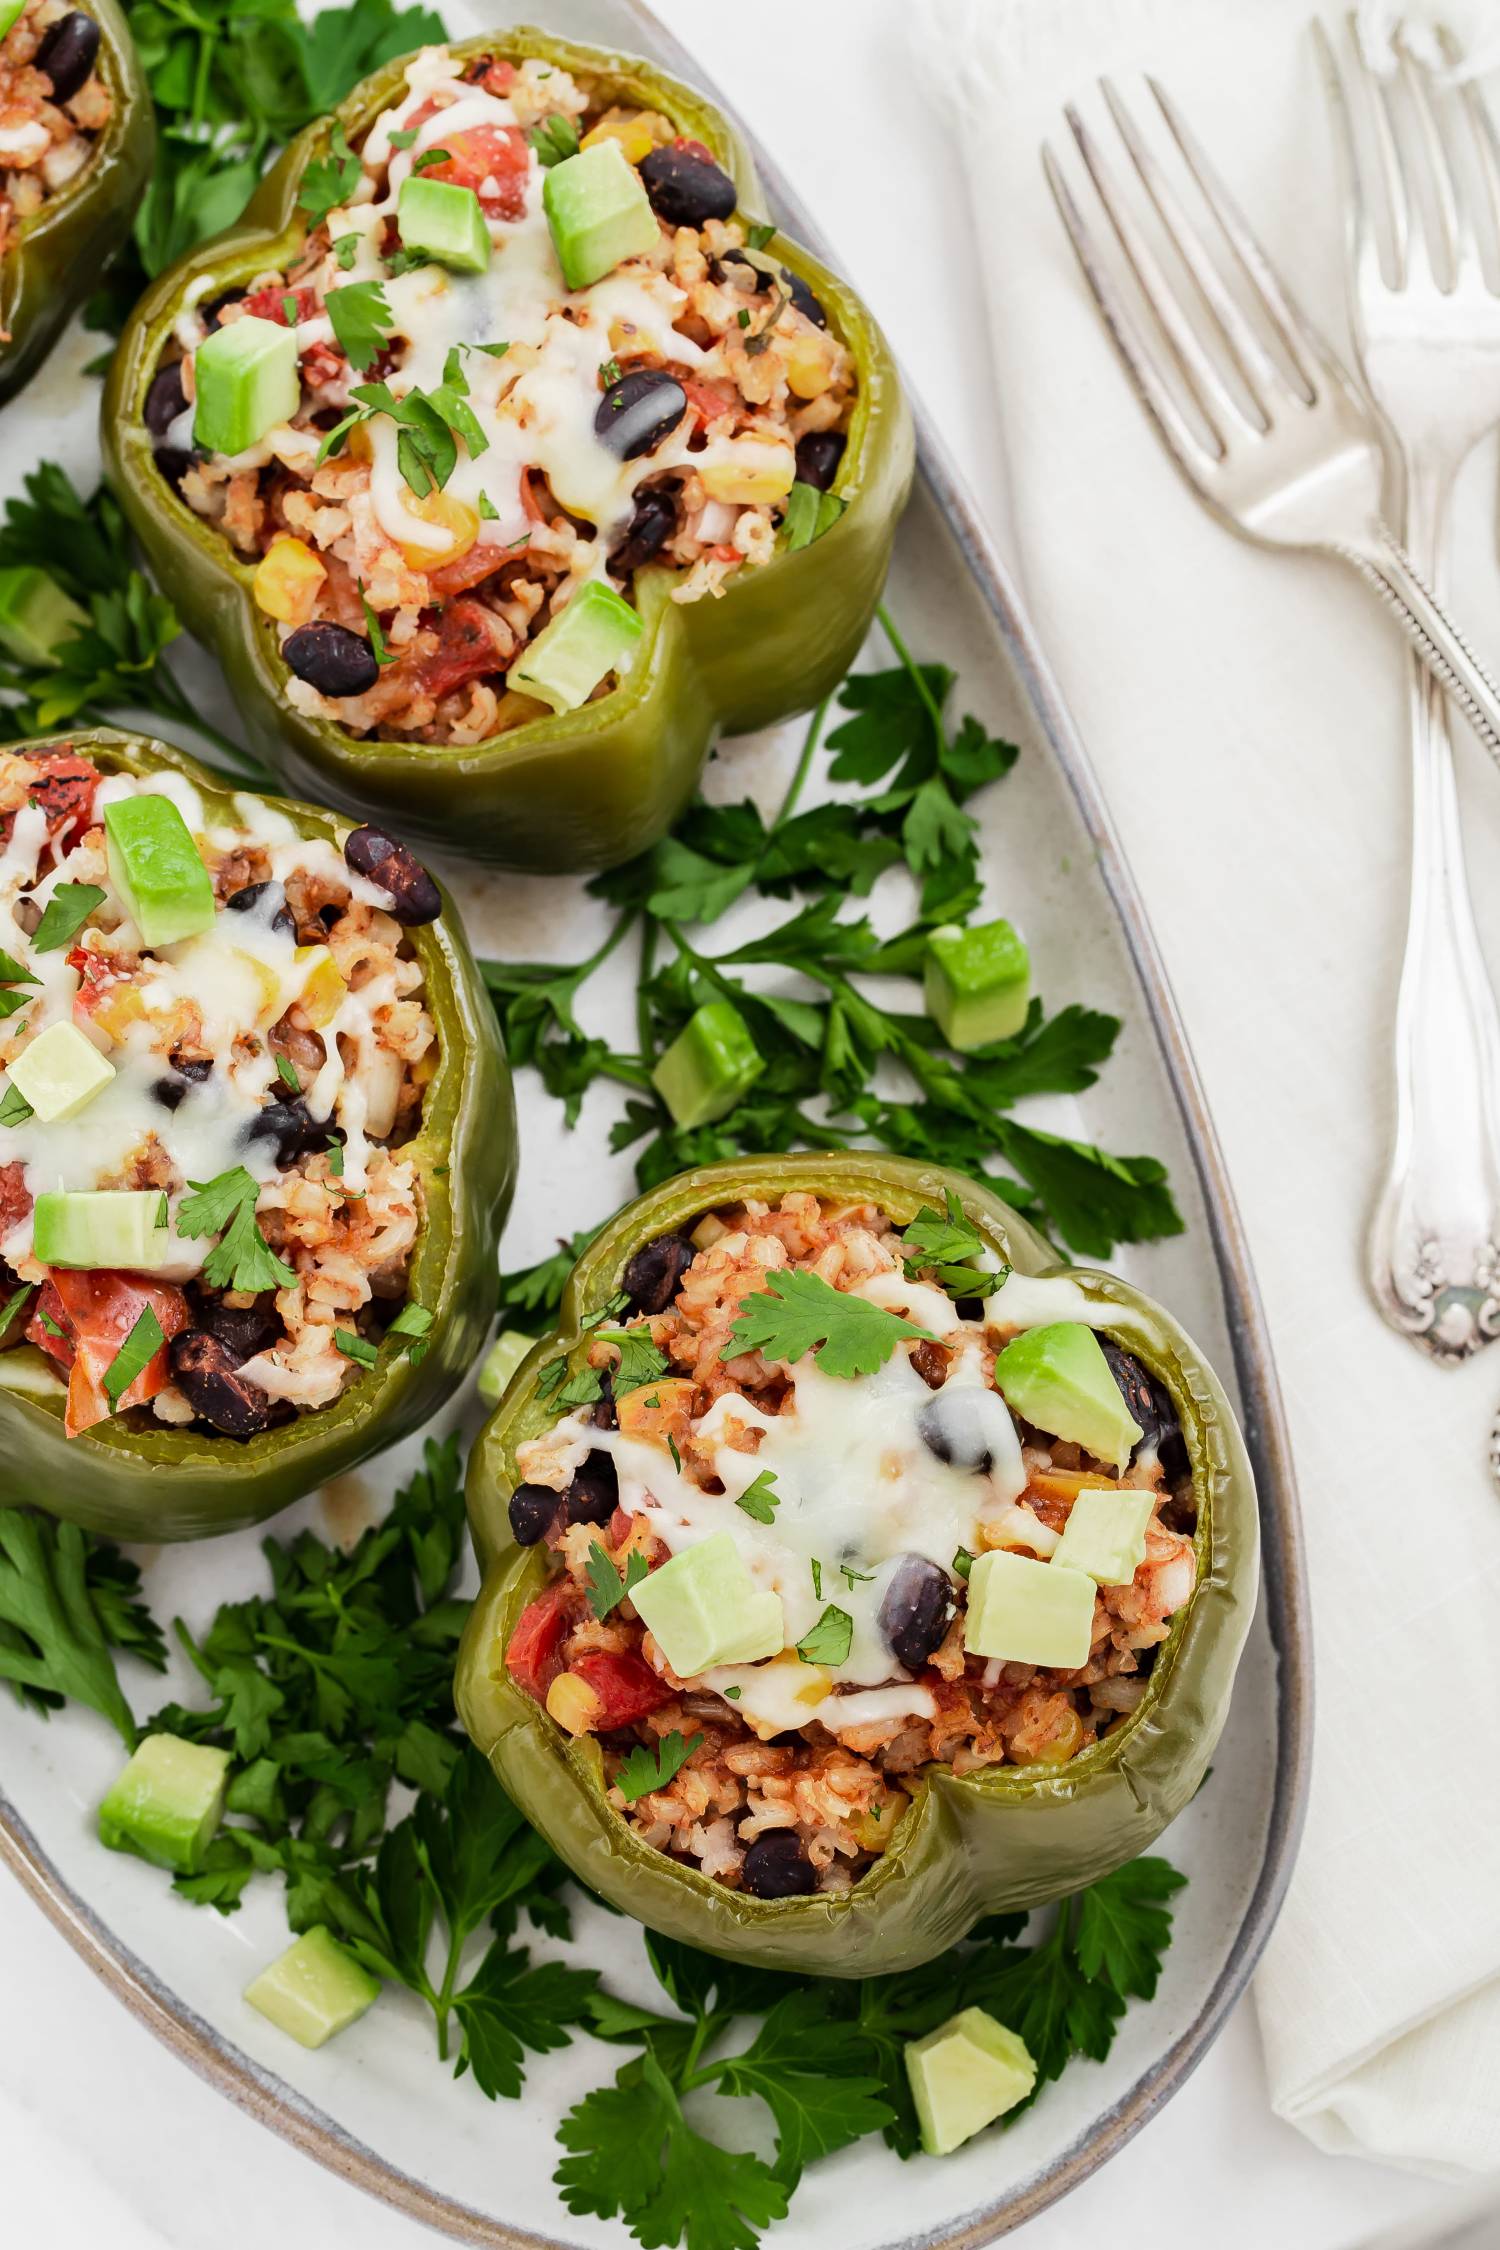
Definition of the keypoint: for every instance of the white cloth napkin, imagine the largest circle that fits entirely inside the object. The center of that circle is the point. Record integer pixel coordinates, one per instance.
(1246, 713)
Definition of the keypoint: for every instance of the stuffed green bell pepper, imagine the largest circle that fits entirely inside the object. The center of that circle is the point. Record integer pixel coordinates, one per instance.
(851, 1571)
(256, 1141)
(75, 156)
(506, 459)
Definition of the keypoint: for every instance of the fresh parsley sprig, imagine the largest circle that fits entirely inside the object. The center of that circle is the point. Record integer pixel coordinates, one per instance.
(66, 1602)
(798, 1312)
(242, 1258)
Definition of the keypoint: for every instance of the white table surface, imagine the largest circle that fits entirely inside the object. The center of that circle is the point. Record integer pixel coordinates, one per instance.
(104, 2138)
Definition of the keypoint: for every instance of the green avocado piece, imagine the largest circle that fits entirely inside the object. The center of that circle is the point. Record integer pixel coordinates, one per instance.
(445, 221)
(112, 1229)
(1029, 1612)
(155, 867)
(964, 2075)
(599, 213)
(10, 14)
(314, 1989)
(247, 381)
(596, 634)
(60, 1071)
(977, 983)
(167, 1803)
(704, 1608)
(708, 1065)
(500, 1363)
(1105, 1534)
(1059, 1380)
(36, 616)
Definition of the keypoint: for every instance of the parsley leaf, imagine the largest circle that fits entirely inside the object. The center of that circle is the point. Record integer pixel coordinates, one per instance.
(634, 2155)
(605, 1588)
(362, 321)
(945, 1247)
(134, 1356)
(640, 1361)
(410, 1327)
(830, 1640)
(554, 139)
(243, 1259)
(760, 1499)
(1124, 1925)
(640, 1771)
(54, 1640)
(64, 915)
(798, 1310)
(14, 1107)
(329, 181)
(355, 1347)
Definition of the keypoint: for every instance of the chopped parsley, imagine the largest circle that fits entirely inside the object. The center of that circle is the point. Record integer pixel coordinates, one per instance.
(555, 139)
(64, 915)
(378, 649)
(963, 1563)
(640, 1772)
(362, 321)
(134, 1356)
(604, 1587)
(329, 181)
(761, 1499)
(13, 971)
(946, 1246)
(411, 1331)
(242, 1259)
(830, 1640)
(289, 311)
(807, 513)
(358, 1348)
(15, 1303)
(345, 249)
(757, 236)
(640, 1360)
(487, 509)
(286, 1071)
(797, 1311)
(14, 1107)
(429, 157)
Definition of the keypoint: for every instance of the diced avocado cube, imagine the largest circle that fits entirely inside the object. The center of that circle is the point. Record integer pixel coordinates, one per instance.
(964, 2075)
(977, 983)
(112, 1229)
(10, 14)
(167, 1803)
(155, 867)
(59, 1071)
(599, 213)
(708, 1065)
(313, 1989)
(596, 634)
(36, 616)
(703, 1608)
(1058, 1379)
(500, 1363)
(446, 222)
(1105, 1534)
(1029, 1612)
(247, 381)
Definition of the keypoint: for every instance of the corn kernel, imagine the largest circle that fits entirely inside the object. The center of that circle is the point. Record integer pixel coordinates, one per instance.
(814, 1686)
(809, 366)
(876, 1825)
(120, 1007)
(287, 580)
(455, 517)
(750, 471)
(323, 989)
(638, 132)
(267, 982)
(1065, 1484)
(1058, 1748)
(574, 1704)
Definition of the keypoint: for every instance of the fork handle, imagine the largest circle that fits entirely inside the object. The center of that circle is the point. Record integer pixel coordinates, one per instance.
(1437, 640)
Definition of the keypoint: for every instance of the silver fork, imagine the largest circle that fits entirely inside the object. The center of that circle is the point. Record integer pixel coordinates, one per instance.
(1428, 340)
(1291, 463)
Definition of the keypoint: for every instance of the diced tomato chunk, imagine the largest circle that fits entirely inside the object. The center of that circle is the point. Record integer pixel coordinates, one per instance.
(626, 1686)
(708, 404)
(498, 77)
(534, 1656)
(97, 1311)
(481, 562)
(694, 148)
(270, 304)
(15, 1197)
(494, 161)
(65, 791)
(468, 646)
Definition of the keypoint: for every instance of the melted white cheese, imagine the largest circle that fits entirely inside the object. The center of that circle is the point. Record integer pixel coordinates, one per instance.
(1026, 1300)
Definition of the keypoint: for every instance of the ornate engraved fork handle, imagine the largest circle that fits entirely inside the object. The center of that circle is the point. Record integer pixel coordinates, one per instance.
(1435, 1239)
(1437, 638)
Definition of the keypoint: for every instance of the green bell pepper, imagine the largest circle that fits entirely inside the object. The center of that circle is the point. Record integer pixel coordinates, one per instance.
(56, 258)
(993, 1841)
(153, 1482)
(567, 791)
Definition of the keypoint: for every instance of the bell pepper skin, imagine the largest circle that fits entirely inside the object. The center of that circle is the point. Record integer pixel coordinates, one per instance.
(58, 256)
(994, 1841)
(568, 791)
(157, 1483)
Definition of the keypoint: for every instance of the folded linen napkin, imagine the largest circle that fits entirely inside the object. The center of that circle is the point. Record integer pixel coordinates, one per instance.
(1247, 715)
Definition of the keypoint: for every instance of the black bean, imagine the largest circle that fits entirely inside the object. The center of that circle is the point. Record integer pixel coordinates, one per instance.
(67, 53)
(738, 271)
(245, 901)
(594, 1494)
(174, 462)
(687, 189)
(776, 1866)
(917, 1610)
(168, 1092)
(806, 303)
(208, 1378)
(649, 529)
(818, 458)
(653, 1276)
(1147, 1402)
(195, 1068)
(961, 1424)
(331, 659)
(638, 411)
(414, 895)
(969, 1308)
(290, 1126)
(243, 1330)
(533, 1511)
(187, 1070)
(166, 398)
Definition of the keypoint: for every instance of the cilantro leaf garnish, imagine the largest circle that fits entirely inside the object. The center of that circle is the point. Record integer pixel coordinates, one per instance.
(355, 1347)
(945, 1245)
(286, 1071)
(797, 1312)
(362, 321)
(14, 1107)
(242, 1259)
(64, 915)
(605, 1588)
(15, 1304)
(133, 1357)
(760, 1499)
(13, 971)
(554, 139)
(641, 1772)
(378, 649)
(329, 181)
(830, 1640)
(410, 1329)
(640, 1360)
